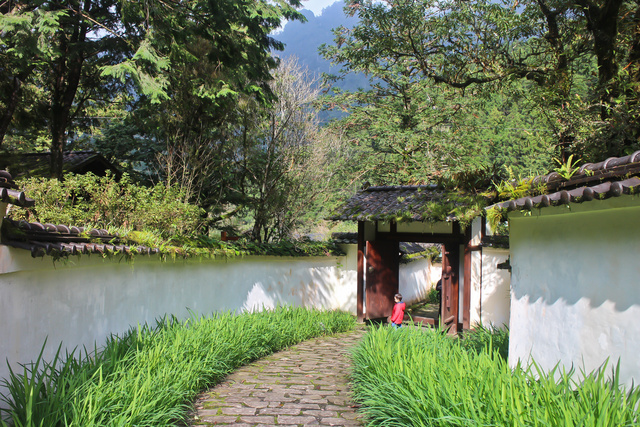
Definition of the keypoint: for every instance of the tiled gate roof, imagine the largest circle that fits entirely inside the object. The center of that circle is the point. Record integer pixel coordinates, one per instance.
(381, 203)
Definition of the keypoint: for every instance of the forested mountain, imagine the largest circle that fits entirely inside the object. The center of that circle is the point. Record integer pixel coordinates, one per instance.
(303, 39)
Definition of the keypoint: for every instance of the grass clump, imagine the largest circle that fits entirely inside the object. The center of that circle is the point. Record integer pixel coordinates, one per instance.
(151, 375)
(416, 377)
(484, 337)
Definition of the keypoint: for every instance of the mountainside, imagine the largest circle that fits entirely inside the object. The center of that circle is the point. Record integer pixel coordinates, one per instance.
(303, 40)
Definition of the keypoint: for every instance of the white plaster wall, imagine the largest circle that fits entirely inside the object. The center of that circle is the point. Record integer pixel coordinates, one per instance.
(415, 280)
(81, 302)
(476, 231)
(575, 295)
(475, 293)
(435, 272)
(490, 291)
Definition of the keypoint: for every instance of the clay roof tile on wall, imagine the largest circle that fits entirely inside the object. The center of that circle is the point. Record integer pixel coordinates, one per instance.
(9, 192)
(61, 240)
(592, 181)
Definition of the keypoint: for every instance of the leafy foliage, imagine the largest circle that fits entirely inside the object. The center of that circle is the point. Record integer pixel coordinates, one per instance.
(265, 164)
(568, 169)
(486, 339)
(408, 130)
(84, 55)
(459, 85)
(285, 155)
(103, 202)
(155, 217)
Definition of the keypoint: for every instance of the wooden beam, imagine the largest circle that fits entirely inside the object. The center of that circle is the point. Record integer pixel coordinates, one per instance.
(360, 273)
(420, 237)
(466, 302)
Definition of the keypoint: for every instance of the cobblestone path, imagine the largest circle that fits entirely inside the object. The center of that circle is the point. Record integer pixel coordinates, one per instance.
(304, 385)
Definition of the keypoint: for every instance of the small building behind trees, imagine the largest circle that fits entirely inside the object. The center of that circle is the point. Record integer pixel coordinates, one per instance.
(38, 164)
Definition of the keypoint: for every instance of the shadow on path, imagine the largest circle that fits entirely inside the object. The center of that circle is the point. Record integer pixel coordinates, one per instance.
(303, 385)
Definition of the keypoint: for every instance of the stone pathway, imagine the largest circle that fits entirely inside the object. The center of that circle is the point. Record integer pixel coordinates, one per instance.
(304, 385)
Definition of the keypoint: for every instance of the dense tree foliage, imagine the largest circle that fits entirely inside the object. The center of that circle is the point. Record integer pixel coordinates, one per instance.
(82, 55)
(190, 95)
(265, 162)
(187, 98)
(544, 74)
(283, 155)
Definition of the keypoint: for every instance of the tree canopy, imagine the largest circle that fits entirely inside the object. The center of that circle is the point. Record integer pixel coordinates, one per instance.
(68, 60)
(190, 94)
(561, 73)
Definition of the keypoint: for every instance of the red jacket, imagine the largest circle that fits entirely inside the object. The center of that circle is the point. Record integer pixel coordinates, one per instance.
(398, 313)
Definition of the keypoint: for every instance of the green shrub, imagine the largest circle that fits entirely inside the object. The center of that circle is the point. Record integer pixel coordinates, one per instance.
(103, 202)
(155, 217)
(415, 377)
(433, 296)
(151, 376)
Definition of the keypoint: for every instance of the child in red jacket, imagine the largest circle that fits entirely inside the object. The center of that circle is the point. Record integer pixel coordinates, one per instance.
(398, 311)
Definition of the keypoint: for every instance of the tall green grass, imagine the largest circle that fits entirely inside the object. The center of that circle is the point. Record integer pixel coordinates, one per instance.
(484, 337)
(415, 377)
(151, 375)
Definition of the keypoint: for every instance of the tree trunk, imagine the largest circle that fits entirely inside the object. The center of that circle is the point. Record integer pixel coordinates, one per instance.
(68, 73)
(602, 22)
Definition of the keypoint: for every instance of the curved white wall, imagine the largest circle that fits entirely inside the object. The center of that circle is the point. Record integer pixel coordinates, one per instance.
(81, 301)
(575, 286)
(415, 280)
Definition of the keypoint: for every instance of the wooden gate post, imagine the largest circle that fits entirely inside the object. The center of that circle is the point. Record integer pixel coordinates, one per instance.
(360, 273)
